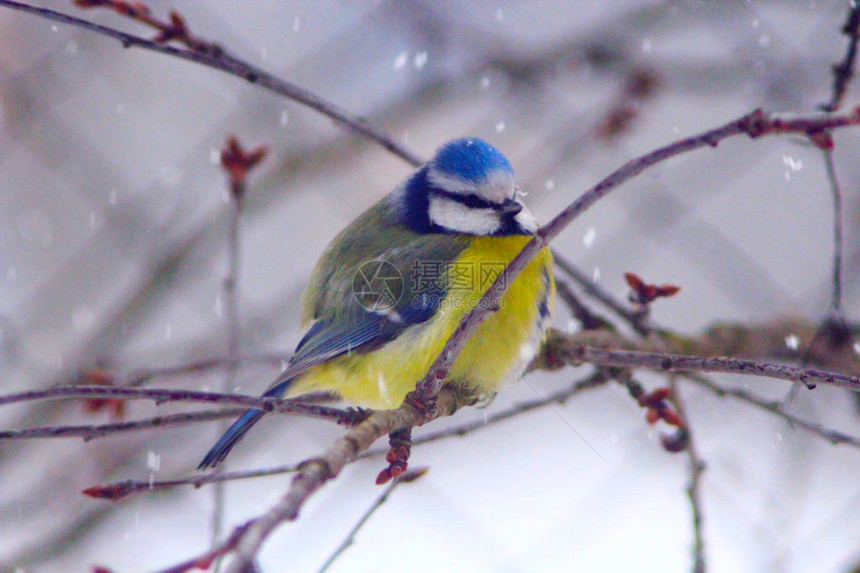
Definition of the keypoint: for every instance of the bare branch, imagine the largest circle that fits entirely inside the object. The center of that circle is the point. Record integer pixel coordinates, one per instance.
(159, 396)
(237, 163)
(844, 70)
(221, 60)
(205, 560)
(696, 467)
(835, 437)
(635, 318)
(89, 432)
(836, 193)
(119, 490)
(408, 477)
(666, 362)
(588, 319)
(173, 31)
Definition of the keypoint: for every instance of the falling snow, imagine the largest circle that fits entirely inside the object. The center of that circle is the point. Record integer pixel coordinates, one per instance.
(588, 239)
(400, 61)
(792, 342)
(153, 461)
(527, 352)
(382, 384)
(420, 60)
(792, 164)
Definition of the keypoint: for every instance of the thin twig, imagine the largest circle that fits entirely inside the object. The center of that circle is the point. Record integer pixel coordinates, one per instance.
(159, 395)
(696, 467)
(844, 70)
(203, 562)
(835, 322)
(408, 477)
(666, 362)
(775, 407)
(90, 432)
(236, 162)
(836, 193)
(586, 317)
(119, 490)
(635, 319)
(94, 431)
(221, 60)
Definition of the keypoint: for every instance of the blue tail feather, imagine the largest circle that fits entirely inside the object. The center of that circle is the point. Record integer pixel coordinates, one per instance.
(230, 438)
(238, 430)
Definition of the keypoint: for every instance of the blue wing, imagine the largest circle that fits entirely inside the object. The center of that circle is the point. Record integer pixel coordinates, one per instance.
(341, 323)
(325, 341)
(318, 345)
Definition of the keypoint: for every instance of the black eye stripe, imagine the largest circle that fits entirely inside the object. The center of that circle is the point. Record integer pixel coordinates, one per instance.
(470, 200)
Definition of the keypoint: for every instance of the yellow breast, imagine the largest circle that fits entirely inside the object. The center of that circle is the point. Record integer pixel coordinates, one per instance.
(499, 350)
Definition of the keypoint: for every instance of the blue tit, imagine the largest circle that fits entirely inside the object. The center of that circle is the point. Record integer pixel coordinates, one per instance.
(392, 287)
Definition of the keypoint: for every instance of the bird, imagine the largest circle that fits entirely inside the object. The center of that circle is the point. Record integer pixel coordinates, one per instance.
(392, 287)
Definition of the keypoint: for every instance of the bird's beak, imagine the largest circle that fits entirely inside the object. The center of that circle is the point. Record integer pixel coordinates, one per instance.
(510, 207)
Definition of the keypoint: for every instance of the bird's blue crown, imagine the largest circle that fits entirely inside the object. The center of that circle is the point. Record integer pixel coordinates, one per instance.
(468, 188)
(471, 159)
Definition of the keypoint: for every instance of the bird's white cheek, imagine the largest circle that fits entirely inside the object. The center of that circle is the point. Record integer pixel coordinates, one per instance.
(457, 217)
(526, 220)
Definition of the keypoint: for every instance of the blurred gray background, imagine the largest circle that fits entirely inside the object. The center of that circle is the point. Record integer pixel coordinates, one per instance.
(113, 233)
